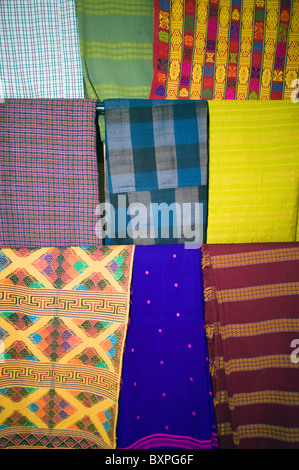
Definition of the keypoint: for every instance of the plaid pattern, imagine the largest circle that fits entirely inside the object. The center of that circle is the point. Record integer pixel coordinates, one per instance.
(180, 225)
(39, 49)
(155, 145)
(49, 181)
(156, 156)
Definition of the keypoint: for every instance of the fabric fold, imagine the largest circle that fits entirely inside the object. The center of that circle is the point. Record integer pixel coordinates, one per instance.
(156, 159)
(116, 46)
(63, 319)
(251, 315)
(166, 397)
(49, 173)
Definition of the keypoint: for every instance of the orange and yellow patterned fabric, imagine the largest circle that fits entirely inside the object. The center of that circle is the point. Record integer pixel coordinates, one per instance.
(223, 49)
(63, 321)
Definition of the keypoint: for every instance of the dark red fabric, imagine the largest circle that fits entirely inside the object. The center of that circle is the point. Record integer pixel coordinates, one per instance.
(255, 381)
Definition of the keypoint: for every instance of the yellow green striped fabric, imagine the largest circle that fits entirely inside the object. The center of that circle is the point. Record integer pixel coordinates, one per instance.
(116, 45)
(253, 171)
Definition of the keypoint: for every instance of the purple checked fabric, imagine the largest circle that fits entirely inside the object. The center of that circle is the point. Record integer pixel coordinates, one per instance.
(49, 187)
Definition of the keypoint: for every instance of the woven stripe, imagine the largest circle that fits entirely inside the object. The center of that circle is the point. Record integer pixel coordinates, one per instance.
(253, 329)
(255, 257)
(257, 292)
(262, 396)
(254, 363)
(115, 7)
(266, 431)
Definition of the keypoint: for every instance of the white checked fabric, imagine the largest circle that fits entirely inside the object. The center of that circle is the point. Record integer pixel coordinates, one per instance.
(39, 49)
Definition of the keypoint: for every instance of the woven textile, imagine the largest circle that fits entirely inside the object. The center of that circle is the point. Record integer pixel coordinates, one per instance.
(63, 320)
(49, 174)
(252, 326)
(39, 49)
(253, 171)
(116, 44)
(156, 153)
(166, 398)
(218, 49)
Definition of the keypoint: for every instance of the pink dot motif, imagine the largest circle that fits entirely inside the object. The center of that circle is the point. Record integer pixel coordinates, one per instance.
(132, 350)
(161, 362)
(160, 331)
(189, 346)
(146, 272)
(191, 379)
(166, 427)
(135, 383)
(174, 255)
(148, 302)
(137, 417)
(178, 314)
(163, 394)
(176, 284)
(193, 412)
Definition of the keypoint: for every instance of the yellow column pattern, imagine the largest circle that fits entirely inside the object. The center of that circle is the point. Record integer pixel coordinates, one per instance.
(176, 48)
(222, 49)
(270, 47)
(199, 49)
(293, 53)
(246, 45)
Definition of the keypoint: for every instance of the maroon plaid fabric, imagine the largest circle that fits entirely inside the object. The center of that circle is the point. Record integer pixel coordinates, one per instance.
(49, 175)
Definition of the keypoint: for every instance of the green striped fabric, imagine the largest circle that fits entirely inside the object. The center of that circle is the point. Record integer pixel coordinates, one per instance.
(116, 42)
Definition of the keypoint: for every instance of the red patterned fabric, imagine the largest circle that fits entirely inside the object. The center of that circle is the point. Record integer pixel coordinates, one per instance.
(225, 50)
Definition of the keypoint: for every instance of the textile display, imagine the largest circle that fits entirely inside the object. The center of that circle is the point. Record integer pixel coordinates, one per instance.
(116, 44)
(156, 153)
(253, 171)
(252, 326)
(166, 396)
(218, 49)
(63, 321)
(49, 174)
(39, 49)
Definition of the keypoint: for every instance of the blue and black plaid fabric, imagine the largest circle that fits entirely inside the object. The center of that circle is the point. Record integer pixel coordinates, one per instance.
(156, 161)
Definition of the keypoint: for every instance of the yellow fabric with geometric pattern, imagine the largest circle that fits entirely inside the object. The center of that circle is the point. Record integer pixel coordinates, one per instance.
(253, 171)
(63, 321)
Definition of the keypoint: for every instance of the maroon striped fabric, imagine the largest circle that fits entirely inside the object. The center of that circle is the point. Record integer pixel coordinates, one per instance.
(252, 325)
(49, 175)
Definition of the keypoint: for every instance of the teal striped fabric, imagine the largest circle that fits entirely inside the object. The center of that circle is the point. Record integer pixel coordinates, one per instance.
(39, 49)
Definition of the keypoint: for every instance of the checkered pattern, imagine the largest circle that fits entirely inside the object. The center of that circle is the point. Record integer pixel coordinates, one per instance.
(153, 144)
(49, 182)
(156, 155)
(39, 49)
(180, 225)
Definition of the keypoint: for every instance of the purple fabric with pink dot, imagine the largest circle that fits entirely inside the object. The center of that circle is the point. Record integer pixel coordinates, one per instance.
(166, 396)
